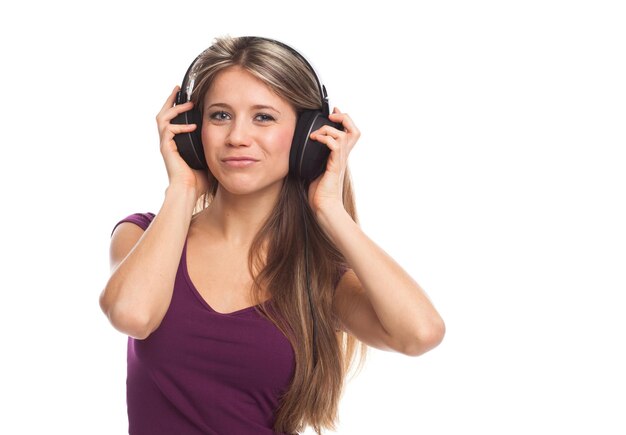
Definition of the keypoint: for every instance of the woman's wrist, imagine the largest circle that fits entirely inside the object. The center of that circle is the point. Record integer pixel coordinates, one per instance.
(331, 215)
(184, 194)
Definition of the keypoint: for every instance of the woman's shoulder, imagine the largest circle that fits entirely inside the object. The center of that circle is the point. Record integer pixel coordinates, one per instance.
(141, 219)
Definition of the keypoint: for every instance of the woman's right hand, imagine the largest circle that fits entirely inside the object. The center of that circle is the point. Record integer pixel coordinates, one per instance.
(178, 171)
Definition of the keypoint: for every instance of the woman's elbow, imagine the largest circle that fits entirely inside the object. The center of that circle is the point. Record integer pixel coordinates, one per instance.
(427, 339)
(126, 321)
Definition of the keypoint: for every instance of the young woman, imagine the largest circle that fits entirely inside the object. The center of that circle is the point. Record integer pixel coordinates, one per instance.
(246, 295)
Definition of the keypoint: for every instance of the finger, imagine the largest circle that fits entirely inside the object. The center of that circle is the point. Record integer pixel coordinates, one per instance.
(169, 103)
(166, 115)
(335, 146)
(170, 130)
(327, 130)
(329, 141)
(345, 120)
(170, 100)
(182, 128)
(179, 108)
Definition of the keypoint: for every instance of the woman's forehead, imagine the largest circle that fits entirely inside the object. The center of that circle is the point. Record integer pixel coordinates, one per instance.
(235, 85)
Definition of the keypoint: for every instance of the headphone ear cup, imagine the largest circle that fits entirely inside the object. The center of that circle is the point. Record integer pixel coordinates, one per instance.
(190, 144)
(308, 157)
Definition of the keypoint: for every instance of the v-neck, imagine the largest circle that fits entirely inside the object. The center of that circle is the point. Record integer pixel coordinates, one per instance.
(200, 298)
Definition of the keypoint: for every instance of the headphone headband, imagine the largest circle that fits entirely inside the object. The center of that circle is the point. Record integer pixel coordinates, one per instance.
(184, 94)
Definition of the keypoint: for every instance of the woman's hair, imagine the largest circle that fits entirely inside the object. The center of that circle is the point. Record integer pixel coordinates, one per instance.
(277, 257)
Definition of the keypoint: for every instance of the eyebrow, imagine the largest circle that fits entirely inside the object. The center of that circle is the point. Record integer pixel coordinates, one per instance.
(255, 107)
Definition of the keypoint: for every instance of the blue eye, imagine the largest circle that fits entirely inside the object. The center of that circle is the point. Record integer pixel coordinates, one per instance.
(220, 115)
(265, 117)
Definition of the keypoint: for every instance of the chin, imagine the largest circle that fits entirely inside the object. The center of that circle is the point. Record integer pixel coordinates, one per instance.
(249, 187)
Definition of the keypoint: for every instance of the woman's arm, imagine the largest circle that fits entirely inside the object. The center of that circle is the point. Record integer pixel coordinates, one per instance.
(379, 302)
(143, 271)
(144, 266)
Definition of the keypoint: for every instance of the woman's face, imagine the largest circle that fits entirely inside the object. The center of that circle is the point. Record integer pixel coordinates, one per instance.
(246, 132)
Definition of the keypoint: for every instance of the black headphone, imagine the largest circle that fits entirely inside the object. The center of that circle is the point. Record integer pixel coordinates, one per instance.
(307, 157)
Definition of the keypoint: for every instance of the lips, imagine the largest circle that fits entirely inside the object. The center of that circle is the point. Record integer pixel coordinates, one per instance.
(239, 158)
(239, 161)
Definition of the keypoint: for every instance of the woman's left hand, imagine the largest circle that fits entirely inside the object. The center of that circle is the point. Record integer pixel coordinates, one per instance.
(326, 191)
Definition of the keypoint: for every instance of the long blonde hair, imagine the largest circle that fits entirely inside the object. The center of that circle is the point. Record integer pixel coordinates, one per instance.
(277, 257)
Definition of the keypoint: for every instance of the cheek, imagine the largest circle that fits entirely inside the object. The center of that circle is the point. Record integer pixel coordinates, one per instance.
(282, 148)
(206, 135)
(282, 140)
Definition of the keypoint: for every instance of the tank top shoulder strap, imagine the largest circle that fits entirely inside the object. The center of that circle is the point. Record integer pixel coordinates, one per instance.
(143, 220)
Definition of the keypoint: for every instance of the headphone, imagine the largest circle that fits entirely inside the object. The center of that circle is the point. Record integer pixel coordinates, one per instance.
(307, 157)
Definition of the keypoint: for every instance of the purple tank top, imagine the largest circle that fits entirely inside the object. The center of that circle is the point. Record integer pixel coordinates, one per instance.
(203, 372)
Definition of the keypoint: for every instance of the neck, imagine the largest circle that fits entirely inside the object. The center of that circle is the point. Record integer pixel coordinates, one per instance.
(236, 219)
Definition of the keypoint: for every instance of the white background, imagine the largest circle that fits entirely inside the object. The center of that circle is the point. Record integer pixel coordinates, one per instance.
(491, 166)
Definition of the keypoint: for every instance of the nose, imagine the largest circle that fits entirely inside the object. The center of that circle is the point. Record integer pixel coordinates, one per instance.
(239, 134)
